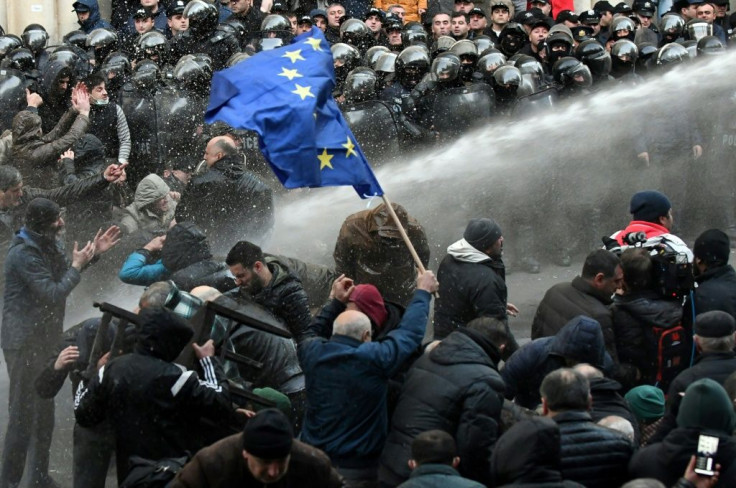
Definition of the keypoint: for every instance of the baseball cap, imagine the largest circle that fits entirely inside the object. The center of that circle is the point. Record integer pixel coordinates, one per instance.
(566, 15)
(80, 7)
(143, 13)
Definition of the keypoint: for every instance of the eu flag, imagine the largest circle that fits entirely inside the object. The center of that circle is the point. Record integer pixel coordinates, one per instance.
(285, 95)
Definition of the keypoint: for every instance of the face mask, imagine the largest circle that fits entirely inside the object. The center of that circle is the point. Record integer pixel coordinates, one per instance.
(102, 102)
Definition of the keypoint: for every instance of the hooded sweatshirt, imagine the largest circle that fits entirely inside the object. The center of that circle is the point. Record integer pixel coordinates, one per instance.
(95, 21)
(138, 215)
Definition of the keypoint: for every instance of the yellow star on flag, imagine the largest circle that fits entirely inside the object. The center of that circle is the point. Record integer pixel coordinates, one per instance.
(350, 148)
(289, 73)
(303, 91)
(324, 160)
(314, 42)
(294, 56)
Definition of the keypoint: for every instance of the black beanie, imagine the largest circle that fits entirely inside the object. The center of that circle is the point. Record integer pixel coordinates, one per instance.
(268, 435)
(482, 233)
(712, 246)
(715, 323)
(649, 205)
(41, 213)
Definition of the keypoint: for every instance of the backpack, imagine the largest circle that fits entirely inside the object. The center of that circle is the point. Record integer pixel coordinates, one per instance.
(672, 354)
(145, 473)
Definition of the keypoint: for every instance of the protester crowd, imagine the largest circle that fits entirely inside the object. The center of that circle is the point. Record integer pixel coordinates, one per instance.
(261, 369)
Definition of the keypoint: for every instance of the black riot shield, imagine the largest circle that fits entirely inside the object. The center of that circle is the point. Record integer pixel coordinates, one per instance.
(12, 96)
(374, 127)
(536, 102)
(139, 107)
(454, 111)
(180, 117)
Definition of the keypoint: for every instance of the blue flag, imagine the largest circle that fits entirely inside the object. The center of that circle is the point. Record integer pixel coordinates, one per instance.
(285, 95)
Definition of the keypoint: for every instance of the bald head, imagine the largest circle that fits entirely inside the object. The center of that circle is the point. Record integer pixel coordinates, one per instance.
(353, 323)
(206, 293)
(218, 148)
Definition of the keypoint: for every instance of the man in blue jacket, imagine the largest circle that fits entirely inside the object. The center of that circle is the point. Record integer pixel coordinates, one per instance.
(347, 378)
(88, 16)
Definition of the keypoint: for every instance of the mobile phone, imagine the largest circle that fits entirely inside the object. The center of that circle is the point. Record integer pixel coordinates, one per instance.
(705, 457)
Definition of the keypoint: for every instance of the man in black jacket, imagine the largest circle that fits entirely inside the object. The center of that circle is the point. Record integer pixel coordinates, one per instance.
(456, 388)
(268, 282)
(152, 405)
(473, 281)
(593, 456)
(227, 201)
(715, 277)
(589, 295)
(38, 279)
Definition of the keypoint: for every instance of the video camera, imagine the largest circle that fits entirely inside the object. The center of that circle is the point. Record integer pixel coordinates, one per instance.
(672, 274)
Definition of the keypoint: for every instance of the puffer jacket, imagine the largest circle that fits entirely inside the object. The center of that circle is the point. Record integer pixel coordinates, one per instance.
(528, 455)
(412, 8)
(35, 153)
(564, 301)
(228, 202)
(284, 297)
(94, 21)
(580, 339)
(137, 215)
(634, 317)
(154, 406)
(369, 249)
(594, 456)
(456, 388)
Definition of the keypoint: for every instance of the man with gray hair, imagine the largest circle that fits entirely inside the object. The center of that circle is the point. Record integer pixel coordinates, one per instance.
(347, 378)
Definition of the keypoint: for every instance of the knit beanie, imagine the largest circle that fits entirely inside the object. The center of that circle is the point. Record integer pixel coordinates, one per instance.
(706, 407)
(268, 435)
(370, 302)
(649, 205)
(646, 401)
(712, 246)
(41, 213)
(482, 233)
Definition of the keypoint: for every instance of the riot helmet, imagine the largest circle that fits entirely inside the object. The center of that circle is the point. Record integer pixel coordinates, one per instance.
(356, 33)
(35, 37)
(193, 73)
(154, 46)
(692, 48)
(240, 29)
(468, 54)
(67, 57)
(595, 57)
(671, 27)
(21, 58)
(446, 68)
(117, 69)
(571, 73)
(671, 55)
(622, 28)
(710, 46)
(624, 54)
(225, 31)
(697, 29)
(441, 45)
(373, 54)
(511, 39)
(483, 44)
(413, 34)
(561, 29)
(506, 82)
(346, 58)
(385, 68)
(532, 72)
(647, 57)
(276, 26)
(146, 75)
(203, 18)
(411, 65)
(360, 85)
(489, 63)
(103, 41)
(76, 38)
(8, 43)
(557, 46)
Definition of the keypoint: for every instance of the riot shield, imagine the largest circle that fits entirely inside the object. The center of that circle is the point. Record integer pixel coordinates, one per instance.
(375, 129)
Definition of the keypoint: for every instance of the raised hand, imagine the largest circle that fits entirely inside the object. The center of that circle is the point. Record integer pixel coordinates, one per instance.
(108, 240)
(81, 257)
